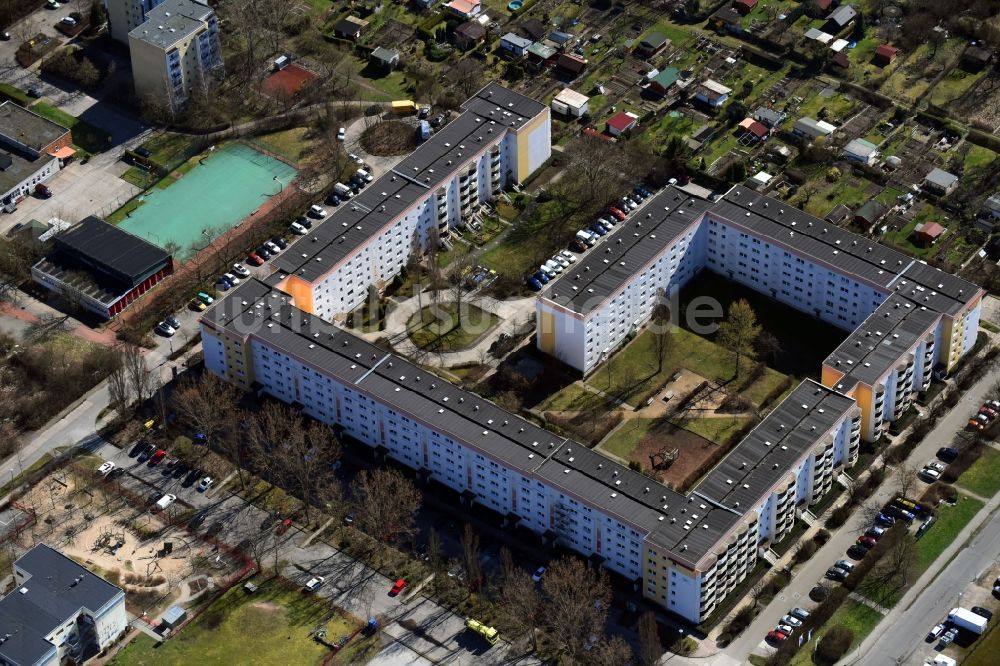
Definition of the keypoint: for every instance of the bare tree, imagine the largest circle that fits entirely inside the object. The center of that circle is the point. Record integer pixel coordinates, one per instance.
(650, 647)
(435, 551)
(756, 592)
(302, 459)
(470, 558)
(458, 276)
(576, 602)
(205, 405)
(520, 602)
(386, 504)
(904, 477)
(660, 328)
(610, 651)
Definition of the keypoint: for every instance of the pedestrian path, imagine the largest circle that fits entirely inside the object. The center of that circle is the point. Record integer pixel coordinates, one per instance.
(877, 607)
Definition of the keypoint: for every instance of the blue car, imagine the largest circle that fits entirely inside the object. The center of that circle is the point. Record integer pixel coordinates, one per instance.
(333, 200)
(884, 520)
(224, 284)
(598, 229)
(534, 284)
(541, 277)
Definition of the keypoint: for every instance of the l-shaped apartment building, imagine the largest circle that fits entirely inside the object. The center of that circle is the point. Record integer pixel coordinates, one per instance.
(687, 551)
(500, 138)
(906, 318)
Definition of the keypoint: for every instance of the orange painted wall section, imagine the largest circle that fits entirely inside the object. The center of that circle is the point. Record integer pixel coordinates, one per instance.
(830, 377)
(547, 332)
(300, 291)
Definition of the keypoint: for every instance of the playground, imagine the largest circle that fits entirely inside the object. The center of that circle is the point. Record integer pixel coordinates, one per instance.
(206, 197)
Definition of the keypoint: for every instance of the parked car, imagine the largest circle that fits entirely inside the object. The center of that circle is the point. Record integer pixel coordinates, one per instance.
(995, 404)
(106, 468)
(296, 229)
(553, 266)
(930, 473)
(143, 152)
(560, 260)
(539, 573)
(947, 454)
(332, 199)
(935, 632)
(205, 484)
(43, 190)
(157, 457)
(836, 573)
(172, 323)
(168, 465)
(255, 260)
(885, 521)
(349, 519)
(875, 532)
(165, 329)
(549, 273)
(34, 91)
(164, 502)
(315, 583)
(541, 277)
(342, 134)
(866, 541)
(791, 621)
(785, 629)
(397, 587)
(982, 612)
(568, 256)
(317, 211)
(578, 246)
(598, 229)
(776, 636)
(534, 284)
(263, 252)
(858, 551)
(305, 221)
(233, 280)
(272, 247)
(68, 21)
(241, 271)
(800, 613)
(224, 284)
(354, 158)
(191, 477)
(197, 305)
(204, 298)
(617, 213)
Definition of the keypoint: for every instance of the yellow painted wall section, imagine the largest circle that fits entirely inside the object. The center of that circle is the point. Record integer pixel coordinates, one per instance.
(522, 145)
(863, 395)
(300, 291)
(547, 332)
(830, 377)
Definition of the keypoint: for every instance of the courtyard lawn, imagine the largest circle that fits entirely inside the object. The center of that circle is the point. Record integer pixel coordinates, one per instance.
(168, 149)
(576, 398)
(981, 477)
(950, 521)
(292, 144)
(760, 389)
(622, 442)
(717, 429)
(437, 328)
(270, 627)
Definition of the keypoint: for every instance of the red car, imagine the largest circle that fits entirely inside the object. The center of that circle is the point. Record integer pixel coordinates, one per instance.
(617, 213)
(254, 260)
(776, 636)
(866, 541)
(397, 588)
(157, 457)
(987, 412)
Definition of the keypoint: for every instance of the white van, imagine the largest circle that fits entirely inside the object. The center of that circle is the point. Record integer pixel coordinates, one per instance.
(165, 501)
(586, 238)
(364, 175)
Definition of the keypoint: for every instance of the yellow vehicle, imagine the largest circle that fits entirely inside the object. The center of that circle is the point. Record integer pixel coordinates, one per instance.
(197, 305)
(490, 634)
(404, 106)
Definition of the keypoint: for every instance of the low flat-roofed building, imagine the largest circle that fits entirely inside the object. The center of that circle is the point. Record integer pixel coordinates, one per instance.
(570, 103)
(101, 267)
(940, 182)
(32, 149)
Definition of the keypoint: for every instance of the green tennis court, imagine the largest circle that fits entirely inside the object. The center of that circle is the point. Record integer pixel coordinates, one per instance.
(225, 187)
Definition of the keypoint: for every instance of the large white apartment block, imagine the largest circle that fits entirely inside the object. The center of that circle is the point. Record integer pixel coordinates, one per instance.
(58, 612)
(126, 15)
(684, 552)
(175, 51)
(921, 317)
(499, 138)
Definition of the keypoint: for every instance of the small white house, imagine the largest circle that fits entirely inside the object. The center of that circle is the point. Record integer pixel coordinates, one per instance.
(811, 128)
(860, 150)
(570, 103)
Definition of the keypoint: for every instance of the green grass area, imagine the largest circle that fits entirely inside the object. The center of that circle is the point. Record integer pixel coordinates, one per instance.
(35, 466)
(442, 327)
(575, 398)
(978, 158)
(760, 389)
(834, 109)
(721, 144)
(982, 478)
(676, 34)
(859, 618)
(849, 190)
(292, 144)
(717, 429)
(622, 442)
(985, 651)
(16, 94)
(85, 136)
(633, 374)
(122, 213)
(954, 85)
(903, 238)
(889, 196)
(168, 148)
(138, 177)
(950, 521)
(269, 627)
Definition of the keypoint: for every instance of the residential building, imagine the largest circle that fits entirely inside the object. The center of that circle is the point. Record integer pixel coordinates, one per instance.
(861, 150)
(751, 131)
(884, 55)
(124, 16)
(764, 244)
(940, 182)
(541, 54)
(570, 65)
(101, 267)
(810, 128)
(652, 44)
(744, 6)
(769, 117)
(868, 215)
(385, 59)
(839, 19)
(663, 80)
(175, 53)
(514, 45)
(992, 204)
(32, 149)
(927, 233)
(350, 27)
(570, 103)
(683, 552)
(469, 35)
(499, 138)
(622, 122)
(58, 611)
(712, 93)
(465, 9)
(560, 38)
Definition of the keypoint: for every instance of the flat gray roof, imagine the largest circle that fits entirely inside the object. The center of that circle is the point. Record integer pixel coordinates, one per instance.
(57, 590)
(173, 20)
(27, 127)
(488, 114)
(767, 454)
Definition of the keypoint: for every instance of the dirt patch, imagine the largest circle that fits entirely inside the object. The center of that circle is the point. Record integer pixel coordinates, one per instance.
(589, 426)
(388, 138)
(266, 606)
(693, 453)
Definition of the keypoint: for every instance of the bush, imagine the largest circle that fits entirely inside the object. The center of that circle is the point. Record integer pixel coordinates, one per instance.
(834, 644)
(805, 551)
(838, 517)
(822, 536)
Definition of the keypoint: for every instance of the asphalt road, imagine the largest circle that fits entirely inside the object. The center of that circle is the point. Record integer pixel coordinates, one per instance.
(806, 576)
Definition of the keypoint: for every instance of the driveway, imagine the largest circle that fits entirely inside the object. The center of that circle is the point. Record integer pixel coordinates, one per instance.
(808, 574)
(352, 143)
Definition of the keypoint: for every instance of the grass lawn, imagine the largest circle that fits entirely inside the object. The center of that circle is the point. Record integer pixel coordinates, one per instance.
(122, 213)
(576, 398)
(903, 238)
(271, 626)
(951, 520)
(759, 390)
(860, 619)
(439, 328)
(981, 478)
(672, 31)
(167, 148)
(292, 144)
(985, 653)
(85, 136)
(978, 158)
(716, 429)
(622, 442)
(16, 94)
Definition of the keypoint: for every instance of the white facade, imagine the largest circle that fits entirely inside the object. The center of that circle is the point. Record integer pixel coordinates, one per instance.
(126, 15)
